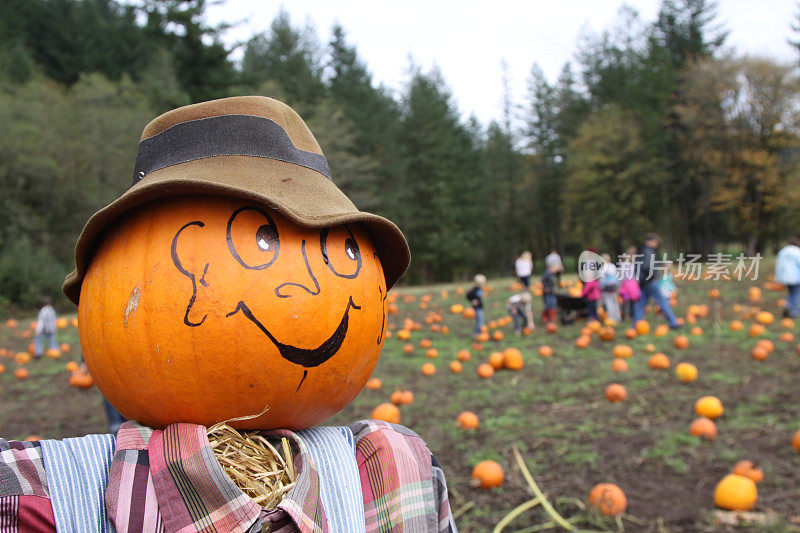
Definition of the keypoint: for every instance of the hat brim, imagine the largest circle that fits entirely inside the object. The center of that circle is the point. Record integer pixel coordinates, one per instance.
(302, 195)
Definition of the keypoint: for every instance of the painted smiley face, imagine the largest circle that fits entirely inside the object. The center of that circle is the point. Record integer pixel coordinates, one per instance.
(257, 312)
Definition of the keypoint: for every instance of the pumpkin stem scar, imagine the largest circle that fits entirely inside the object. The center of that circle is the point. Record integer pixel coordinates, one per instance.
(177, 262)
(133, 303)
(304, 356)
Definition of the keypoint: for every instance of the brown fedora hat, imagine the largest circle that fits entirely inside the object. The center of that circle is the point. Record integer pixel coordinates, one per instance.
(251, 147)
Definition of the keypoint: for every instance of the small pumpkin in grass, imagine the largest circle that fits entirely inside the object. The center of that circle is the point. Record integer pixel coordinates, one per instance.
(759, 352)
(52, 353)
(65, 347)
(22, 358)
(432, 353)
(456, 309)
(616, 393)
(661, 330)
(583, 342)
(512, 359)
(619, 365)
(756, 330)
(735, 493)
(487, 475)
(697, 330)
(623, 350)
(2, 368)
(12, 324)
(456, 367)
(709, 407)
(754, 294)
(749, 469)
(71, 366)
(545, 351)
(425, 343)
(482, 337)
(796, 441)
(736, 325)
(787, 323)
(467, 420)
(81, 380)
(686, 372)
(681, 342)
(497, 335)
(428, 369)
(704, 428)
(630, 333)
(767, 344)
(765, 317)
(608, 499)
(408, 348)
(551, 327)
(714, 294)
(786, 336)
(658, 361)
(642, 327)
(485, 370)
(464, 355)
(403, 334)
(650, 348)
(21, 373)
(477, 346)
(468, 313)
(497, 360)
(607, 334)
(388, 412)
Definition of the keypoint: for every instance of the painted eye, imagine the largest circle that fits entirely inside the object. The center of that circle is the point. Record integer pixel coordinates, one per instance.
(253, 238)
(340, 251)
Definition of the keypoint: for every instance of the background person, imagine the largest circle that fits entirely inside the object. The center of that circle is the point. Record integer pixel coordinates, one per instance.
(519, 307)
(649, 282)
(524, 268)
(787, 273)
(45, 328)
(475, 297)
(629, 289)
(549, 293)
(554, 260)
(609, 283)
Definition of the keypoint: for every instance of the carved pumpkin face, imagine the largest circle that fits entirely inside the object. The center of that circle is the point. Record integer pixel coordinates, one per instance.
(205, 308)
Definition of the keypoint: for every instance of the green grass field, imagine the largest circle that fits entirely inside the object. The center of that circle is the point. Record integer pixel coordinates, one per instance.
(553, 410)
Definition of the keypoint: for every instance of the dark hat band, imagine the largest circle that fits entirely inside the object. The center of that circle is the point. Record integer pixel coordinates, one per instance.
(222, 135)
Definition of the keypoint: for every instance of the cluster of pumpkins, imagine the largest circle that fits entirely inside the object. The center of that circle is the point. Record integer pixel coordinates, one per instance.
(78, 378)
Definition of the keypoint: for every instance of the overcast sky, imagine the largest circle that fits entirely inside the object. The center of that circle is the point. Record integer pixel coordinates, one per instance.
(468, 40)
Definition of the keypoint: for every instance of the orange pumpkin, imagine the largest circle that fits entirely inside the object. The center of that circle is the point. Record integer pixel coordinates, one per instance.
(796, 441)
(487, 475)
(551, 327)
(735, 493)
(223, 309)
(704, 428)
(642, 327)
(759, 352)
(583, 341)
(464, 355)
(428, 369)
(736, 325)
(467, 420)
(681, 342)
(456, 367)
(374, 384)
(709, 407)
(686, 372)
(425, 343)
(756, 330)
(497, 360)
(388, 412)
(485, 370)
(81, 380)
(749, 469)
(65, 347)
(619, 365)
(408, 348)
(623, 351)
(512, 359)
(432, 353)
(608, 499)
(616, 393)
(545, 351)
(71, 366)
(2, 368)
(658, 361)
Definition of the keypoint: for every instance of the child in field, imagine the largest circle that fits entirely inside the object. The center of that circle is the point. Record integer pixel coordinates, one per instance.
(629, 282)
(549, 292)
(45, 328)
(475, 297)
(667, 284)
(591, 293)
(609, 283)
(519, 306)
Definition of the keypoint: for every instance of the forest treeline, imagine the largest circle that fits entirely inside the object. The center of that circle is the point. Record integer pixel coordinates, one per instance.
(655, 126)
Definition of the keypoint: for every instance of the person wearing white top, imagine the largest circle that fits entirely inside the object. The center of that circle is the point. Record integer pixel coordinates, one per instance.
(45, 328)
(524, 267)
(787, 273)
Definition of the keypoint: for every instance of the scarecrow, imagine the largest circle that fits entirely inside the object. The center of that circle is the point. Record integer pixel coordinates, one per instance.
(232, 298)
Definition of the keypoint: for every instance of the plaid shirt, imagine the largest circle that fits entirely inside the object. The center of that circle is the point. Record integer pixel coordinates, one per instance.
(170, 481)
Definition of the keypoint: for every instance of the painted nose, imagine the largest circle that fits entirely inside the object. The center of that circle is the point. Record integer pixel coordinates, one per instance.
(311, 285)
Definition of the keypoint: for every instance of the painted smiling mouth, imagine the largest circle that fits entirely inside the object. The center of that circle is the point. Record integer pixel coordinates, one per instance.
(304, 356)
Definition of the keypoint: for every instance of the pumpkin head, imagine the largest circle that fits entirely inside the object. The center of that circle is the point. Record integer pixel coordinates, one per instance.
(207, 308)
